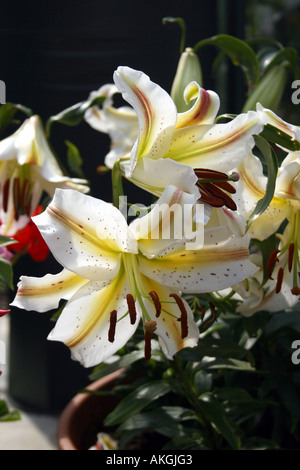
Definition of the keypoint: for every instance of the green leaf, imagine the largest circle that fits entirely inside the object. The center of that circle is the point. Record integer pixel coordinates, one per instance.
(227, 363)
(216, 347)
(73, 115)
(6, 415)
(277, 136)
(272, 168)
(188, 443)
(74, 159)
(288, 56)
(8, 111)
(5, 241)
(240, 53)
(214, 412)
(163, 420)
(6, 273)
(137, 400)
(125, 361)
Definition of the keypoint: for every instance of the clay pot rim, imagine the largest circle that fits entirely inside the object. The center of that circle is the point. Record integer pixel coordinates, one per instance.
(63, 428)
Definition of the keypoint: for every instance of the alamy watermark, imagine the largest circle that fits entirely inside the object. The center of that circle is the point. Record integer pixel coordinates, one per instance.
(175, 222)
(2, 92)
(296, 93)
(296, 354)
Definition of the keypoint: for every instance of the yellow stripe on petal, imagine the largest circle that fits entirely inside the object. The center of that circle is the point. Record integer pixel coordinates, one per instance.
(43, 294)
(215, 146)
(209, 269)
(85, 323)
(155, 109)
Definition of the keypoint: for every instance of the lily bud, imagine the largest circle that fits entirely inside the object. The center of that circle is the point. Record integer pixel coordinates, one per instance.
(188, 70)
(269, 90)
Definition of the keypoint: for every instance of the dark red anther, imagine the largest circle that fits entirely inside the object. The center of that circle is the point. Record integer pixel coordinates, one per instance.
(291, 256)
(131, 308)
(279, 280)
(183, 318)
(207, 174)
(112, 326)
(295, 290)
(16, 196)
(150, 327)
(5, 195)
(156, 302)
(227, 187)
(271, 263)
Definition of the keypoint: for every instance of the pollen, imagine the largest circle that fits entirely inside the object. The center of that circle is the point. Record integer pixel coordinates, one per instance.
(131, 308)
(156, 302)
(150, 327)
(112, 326)
(183, 317)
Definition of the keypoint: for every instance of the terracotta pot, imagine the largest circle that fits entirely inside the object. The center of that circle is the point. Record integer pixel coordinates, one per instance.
(82, 418)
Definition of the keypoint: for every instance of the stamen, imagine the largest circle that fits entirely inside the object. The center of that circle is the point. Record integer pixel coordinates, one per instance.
(112, 326)
(156, 302)
(279, 280)
(211, 175)
(271, 263)
(291, 256)
(295, 290)
(150, 327)
(131, 308)
(5, 195)
(16, 196)
(183, 318)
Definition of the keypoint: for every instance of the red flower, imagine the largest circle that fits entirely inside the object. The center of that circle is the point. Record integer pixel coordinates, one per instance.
(30, 240)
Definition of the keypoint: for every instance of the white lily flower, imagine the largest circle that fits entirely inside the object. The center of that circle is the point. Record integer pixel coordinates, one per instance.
(120, 124)
(115, 275)
(181, 142)
(27, 168)
(284, 207)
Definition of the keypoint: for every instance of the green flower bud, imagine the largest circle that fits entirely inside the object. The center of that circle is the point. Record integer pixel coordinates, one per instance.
(188, 70)
(269, 90)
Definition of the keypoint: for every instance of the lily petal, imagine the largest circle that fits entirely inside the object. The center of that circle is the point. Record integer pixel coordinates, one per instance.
(212, 268)
(155, 175)
(216, 146)
(169, 221)
(87, 240)
(85, 322)
(269, 117)
(155, 110)
(204, 110)
(43, 294)
(120, 124)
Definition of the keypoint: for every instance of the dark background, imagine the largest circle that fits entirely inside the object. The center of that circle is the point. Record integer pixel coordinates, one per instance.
(52, 54)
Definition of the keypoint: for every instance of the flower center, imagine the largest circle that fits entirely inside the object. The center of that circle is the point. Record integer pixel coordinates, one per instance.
(17, 191)
(214, 187)
(139, 295)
